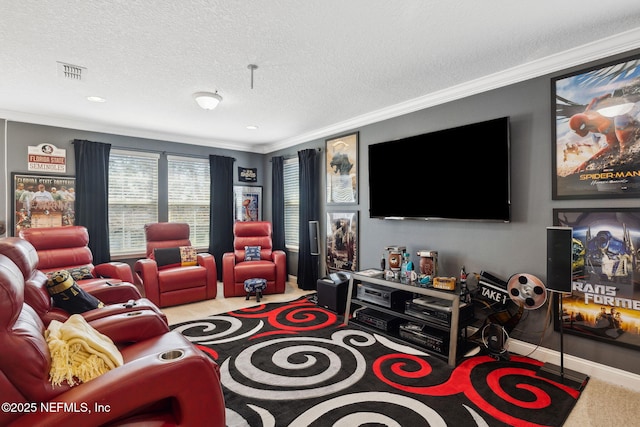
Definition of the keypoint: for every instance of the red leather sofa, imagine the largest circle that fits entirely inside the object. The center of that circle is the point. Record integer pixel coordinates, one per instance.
(65, 248)
(271, 266)
(174, 285)
(144, 317)
(164, 380)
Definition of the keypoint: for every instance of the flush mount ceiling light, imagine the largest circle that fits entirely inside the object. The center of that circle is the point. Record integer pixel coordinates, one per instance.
(96, 99)
(207, 100)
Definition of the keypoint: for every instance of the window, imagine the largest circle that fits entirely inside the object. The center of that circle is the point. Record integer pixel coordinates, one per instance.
(133, 200)
(189, 195)
(291, 204)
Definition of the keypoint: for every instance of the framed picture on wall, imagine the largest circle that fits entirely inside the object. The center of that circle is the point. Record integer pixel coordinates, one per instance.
(604, 303)
(342, 241)
(247, 203)
(42, 201)
(596, 129)
(342, 169)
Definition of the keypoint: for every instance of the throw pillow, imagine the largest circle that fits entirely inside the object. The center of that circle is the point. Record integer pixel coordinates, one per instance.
(80, 273)
(180, 256)
(68, 296)
(252, 253)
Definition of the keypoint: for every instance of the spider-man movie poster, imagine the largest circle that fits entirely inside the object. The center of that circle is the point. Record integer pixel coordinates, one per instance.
(604, 303)
(597, 132)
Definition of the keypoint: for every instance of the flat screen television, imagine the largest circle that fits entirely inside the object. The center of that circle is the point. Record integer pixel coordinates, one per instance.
(461, 173)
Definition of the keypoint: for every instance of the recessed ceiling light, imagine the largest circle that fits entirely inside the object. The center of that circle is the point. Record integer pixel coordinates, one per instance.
(252, 127)
(96, 99)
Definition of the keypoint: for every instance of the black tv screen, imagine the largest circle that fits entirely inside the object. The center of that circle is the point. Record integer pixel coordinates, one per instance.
(462, 173)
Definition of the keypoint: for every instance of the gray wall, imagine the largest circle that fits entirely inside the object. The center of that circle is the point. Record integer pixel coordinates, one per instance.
(4, 210)
(22, 135)
(504, 249)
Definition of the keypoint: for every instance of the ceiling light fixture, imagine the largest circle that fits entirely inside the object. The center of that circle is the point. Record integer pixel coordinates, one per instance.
(207, 100)
(252, 127)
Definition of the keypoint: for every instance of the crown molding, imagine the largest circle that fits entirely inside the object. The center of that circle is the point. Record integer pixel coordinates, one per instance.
(607, 47)
(594, 51)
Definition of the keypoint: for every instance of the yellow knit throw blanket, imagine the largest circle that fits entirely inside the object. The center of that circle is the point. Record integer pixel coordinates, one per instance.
(79, 353)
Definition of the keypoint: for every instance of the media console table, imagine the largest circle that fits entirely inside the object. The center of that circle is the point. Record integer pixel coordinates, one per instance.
(454, 328)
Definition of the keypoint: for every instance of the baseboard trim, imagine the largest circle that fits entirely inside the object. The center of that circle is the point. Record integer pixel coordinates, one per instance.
(592, 369)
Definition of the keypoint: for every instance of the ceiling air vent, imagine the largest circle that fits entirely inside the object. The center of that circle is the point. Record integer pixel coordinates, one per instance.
(72, 72)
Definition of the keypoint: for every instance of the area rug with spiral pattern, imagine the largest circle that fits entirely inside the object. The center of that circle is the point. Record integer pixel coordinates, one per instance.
(297, 364)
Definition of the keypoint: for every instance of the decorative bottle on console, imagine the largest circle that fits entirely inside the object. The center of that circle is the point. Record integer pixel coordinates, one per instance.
(405, 268)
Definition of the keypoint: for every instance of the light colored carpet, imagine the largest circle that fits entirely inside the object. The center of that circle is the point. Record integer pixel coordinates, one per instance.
(220, 304)
(605, 404)
(601, 403)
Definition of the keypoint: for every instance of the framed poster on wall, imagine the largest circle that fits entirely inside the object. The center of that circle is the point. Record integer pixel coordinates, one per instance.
(42, 201)
(247, 203)
(596, 132)
(604, 303)
(342, 169)
(342, 241)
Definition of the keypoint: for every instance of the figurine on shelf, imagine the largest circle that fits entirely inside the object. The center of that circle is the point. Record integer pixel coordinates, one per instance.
(465, 296)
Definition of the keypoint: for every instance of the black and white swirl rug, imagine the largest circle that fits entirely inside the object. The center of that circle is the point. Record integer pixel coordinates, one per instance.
(296, 364)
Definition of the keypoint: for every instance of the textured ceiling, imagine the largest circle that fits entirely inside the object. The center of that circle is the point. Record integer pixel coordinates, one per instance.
(324, 66)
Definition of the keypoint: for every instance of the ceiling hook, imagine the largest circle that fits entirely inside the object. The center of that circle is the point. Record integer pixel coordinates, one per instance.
(252, 67)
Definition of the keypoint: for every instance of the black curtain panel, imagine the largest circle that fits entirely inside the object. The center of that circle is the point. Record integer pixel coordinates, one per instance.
(277, 201)
(221, 210)
(309, 174)
(92, 195)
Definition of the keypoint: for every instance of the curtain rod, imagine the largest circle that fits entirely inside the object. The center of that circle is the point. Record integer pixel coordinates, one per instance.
(167, 153)
(293, 156)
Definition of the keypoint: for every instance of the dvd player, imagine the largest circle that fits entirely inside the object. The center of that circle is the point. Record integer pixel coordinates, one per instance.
(420, 334)
(383, 321)
(437, 310)
(384, 296)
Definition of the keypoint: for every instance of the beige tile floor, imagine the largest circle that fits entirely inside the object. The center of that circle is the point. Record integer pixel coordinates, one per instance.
(220, 304)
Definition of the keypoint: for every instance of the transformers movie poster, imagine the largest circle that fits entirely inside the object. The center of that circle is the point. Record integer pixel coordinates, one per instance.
(597, 132)
(604, 303)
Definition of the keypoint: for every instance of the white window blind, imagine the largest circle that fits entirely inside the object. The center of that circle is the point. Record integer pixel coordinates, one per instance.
(291, 204)
(189, 184)
(133, 200)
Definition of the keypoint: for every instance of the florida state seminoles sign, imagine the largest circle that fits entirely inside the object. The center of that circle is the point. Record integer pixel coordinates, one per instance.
(47, 158)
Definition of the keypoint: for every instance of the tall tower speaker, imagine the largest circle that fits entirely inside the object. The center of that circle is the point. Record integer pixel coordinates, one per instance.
(559, 279)
(314, 238)
(559, 259)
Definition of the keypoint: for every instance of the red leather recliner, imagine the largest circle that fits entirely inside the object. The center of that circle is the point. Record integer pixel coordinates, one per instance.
(64, 248)
(145, 319)
(167, 286)
(164, 381)
(272, 265)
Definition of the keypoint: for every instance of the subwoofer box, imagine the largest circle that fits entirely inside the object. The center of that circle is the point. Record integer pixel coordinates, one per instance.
(332, 295)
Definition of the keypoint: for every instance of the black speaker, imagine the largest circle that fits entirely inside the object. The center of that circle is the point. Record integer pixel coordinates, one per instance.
(314, 238)
(332, 294)
(559, 259)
